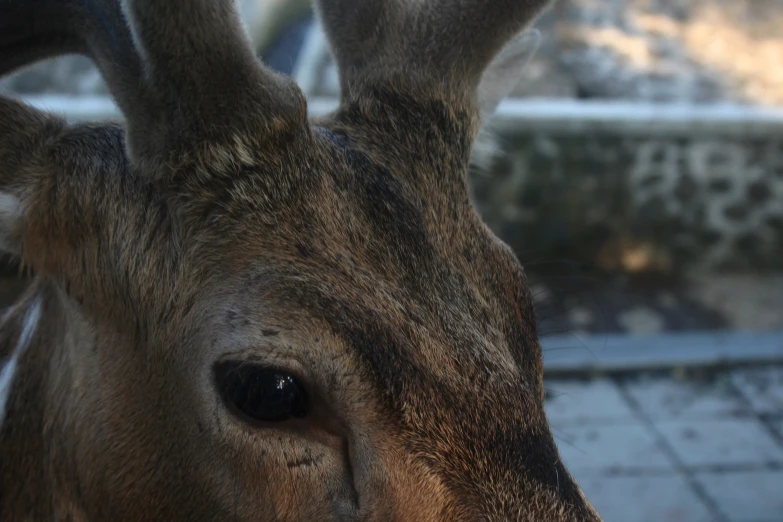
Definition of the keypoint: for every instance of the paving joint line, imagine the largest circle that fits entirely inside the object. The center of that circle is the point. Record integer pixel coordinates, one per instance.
(687, 473)
(618, 472)
(773, 465)
(764, 419)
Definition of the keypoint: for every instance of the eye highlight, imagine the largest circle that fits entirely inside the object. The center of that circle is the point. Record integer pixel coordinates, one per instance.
(260, 393)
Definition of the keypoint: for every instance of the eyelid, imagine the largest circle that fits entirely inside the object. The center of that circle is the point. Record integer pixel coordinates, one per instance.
(269, 358)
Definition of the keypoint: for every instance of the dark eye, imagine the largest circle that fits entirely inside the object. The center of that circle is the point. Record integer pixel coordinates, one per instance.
(263, 394)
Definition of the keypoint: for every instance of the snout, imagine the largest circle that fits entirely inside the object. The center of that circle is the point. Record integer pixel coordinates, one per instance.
(471, 464)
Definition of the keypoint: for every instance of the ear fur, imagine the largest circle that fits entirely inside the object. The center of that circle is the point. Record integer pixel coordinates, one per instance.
(497, 82)
(505, 71)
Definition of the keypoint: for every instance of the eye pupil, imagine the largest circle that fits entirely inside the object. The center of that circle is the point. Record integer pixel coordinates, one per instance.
(260, 393)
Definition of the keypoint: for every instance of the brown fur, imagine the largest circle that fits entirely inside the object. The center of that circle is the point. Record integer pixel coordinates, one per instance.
(227, 226)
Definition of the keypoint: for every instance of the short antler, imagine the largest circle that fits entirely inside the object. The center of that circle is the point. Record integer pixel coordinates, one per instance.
(209, 84)
(182, 71)
(447, 42)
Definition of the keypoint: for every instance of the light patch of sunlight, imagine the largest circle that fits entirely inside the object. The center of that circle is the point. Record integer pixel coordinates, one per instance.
(657, 25)
(634, 50)
(716, 40)
(633, 256)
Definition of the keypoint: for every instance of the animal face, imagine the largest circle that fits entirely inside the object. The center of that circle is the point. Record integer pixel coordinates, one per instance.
(249, 315)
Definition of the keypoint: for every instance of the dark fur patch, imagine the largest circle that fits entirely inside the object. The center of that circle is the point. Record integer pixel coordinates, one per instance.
(398, 227)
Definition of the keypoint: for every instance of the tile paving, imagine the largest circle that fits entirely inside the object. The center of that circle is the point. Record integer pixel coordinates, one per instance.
(665, 399)
(762, 387)
(653, 498)
(777, 425)
(746, 496)
(591, 448)
(703, 443)
(660, 448)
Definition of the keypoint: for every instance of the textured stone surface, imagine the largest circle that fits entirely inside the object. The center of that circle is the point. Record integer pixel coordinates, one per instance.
(727, 465)
(602, 447)
(721, 442)
(763, 388)
(592, 400)
(671, 399)
(671, 50)
(747, 301)
(637, 203)
(646, 498)
(777, 425)
(746, 496)
(641, 320)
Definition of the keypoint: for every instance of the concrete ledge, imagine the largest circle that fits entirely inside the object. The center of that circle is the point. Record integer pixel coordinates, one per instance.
(77, 108)
(621, 353)
(648, 119)
(541, 115)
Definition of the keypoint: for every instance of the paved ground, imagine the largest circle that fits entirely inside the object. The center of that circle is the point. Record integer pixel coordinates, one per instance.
(659, 448)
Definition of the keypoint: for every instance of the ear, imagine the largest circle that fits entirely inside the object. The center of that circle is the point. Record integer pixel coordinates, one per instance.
(497, 82)
(72, 208)
(505, 71)
(25, 135)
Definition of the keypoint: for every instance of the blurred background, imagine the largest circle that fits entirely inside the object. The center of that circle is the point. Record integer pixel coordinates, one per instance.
(637, 171)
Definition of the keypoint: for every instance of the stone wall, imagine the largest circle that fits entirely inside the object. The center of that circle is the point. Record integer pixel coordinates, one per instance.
(636, 201)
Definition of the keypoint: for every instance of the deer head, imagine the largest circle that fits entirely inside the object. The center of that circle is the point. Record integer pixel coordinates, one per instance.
(240, 314)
